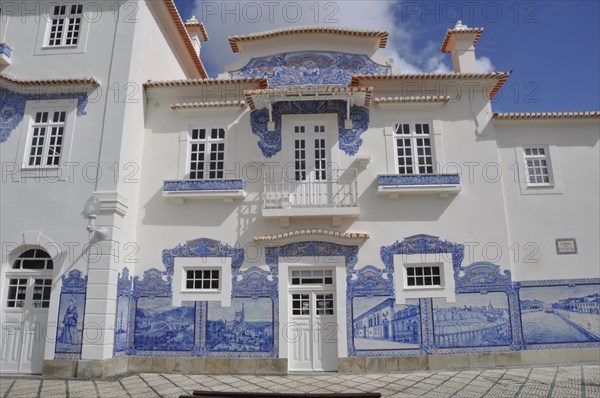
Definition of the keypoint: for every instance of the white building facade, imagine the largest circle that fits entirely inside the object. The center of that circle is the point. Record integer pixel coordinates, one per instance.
(312, 209)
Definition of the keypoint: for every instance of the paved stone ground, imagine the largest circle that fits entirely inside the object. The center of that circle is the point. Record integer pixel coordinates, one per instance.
(563, 381)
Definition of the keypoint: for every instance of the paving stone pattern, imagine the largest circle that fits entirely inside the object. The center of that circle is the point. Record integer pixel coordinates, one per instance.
(563, 381)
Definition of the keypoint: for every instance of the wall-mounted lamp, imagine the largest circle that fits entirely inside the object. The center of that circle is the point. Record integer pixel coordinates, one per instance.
(91, 210)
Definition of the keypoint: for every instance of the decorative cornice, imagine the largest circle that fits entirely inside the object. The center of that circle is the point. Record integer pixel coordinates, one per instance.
(249, 94)
(262, 82)
(499, 76)
(312, 233)
(185, 36)
(212, 104)
(235, 40)
(547, 115)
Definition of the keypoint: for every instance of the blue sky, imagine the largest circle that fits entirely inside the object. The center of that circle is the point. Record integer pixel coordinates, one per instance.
(552, 47)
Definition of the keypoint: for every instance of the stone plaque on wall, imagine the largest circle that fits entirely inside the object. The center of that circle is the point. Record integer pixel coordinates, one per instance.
(566, 246)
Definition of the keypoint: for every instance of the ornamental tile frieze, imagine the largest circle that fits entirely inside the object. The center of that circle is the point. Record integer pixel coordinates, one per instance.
(310, 68)
(12, 107)
(349, 139)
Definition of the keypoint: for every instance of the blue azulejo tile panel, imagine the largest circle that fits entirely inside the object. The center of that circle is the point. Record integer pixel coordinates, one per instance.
(122, 323)
(161, 327)
(560, 314)
(474, 320)
(71, 311)
(246, 326)
(69, 337)
(379, 324)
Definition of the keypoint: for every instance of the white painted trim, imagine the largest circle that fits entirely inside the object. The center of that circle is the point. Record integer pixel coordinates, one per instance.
(556, 187)
(403, 293)
(223, 295)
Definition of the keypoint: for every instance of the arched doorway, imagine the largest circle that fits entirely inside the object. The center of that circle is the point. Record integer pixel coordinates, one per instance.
(27, 288)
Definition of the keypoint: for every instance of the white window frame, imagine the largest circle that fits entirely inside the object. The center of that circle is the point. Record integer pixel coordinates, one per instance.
(47, 137)
(520, 169)
(207, 141)
(54, 173)
(403, 292)
(201, 289)
(413, 136)
(546, 157)
(423, 265)
(183, 264)
(67, 19)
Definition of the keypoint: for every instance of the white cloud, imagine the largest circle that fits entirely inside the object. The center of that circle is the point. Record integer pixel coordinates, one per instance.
(484, 65)
(226, 18)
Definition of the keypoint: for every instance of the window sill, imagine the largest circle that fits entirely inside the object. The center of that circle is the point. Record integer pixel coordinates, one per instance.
(202, 189)
(395, 185)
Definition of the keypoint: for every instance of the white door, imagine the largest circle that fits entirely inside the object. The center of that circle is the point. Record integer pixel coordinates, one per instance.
(311, 158)
(24, 328)
(312, 330)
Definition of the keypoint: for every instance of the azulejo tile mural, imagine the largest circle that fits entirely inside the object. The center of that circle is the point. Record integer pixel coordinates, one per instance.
(71, 310)
(474, 320)
(378, 324)
(122, 314)
(487, 316)
(560, 314)
(246, 326)
(162, 327)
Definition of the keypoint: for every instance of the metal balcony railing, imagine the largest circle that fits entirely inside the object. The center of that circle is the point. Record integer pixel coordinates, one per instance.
(288, 189)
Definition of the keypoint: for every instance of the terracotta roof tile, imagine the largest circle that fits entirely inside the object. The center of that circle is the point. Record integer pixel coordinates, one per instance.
(234, 40)
(392, 100)
(211, 104)
(262, 82)
(547, 115)
(500, 76)
(313, 232)
(185, 36)
(50, 82)
(450, 32)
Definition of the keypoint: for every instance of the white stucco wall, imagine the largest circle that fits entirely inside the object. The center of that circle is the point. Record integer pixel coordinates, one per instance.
(536, 220)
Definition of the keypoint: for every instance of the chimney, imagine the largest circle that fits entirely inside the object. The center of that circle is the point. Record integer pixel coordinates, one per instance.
(197, 33)
(460, 42)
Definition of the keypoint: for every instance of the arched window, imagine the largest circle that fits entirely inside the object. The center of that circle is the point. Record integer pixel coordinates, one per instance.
(35, 259)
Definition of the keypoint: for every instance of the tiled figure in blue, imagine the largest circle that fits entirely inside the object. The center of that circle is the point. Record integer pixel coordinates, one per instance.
(378, 324)
(69, 330)
(70, 333)
(121, 325)
(475, 320)
(560, 314)
(161, 327)
(246, 326)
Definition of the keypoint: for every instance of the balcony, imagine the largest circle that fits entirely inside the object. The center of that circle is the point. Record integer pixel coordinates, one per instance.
(204, 189)
(395, 185)
(327, 193)
(5, 53)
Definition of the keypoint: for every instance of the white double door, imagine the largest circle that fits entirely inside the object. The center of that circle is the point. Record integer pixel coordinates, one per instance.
(312, 332)
(25, 323)
(311, 160)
